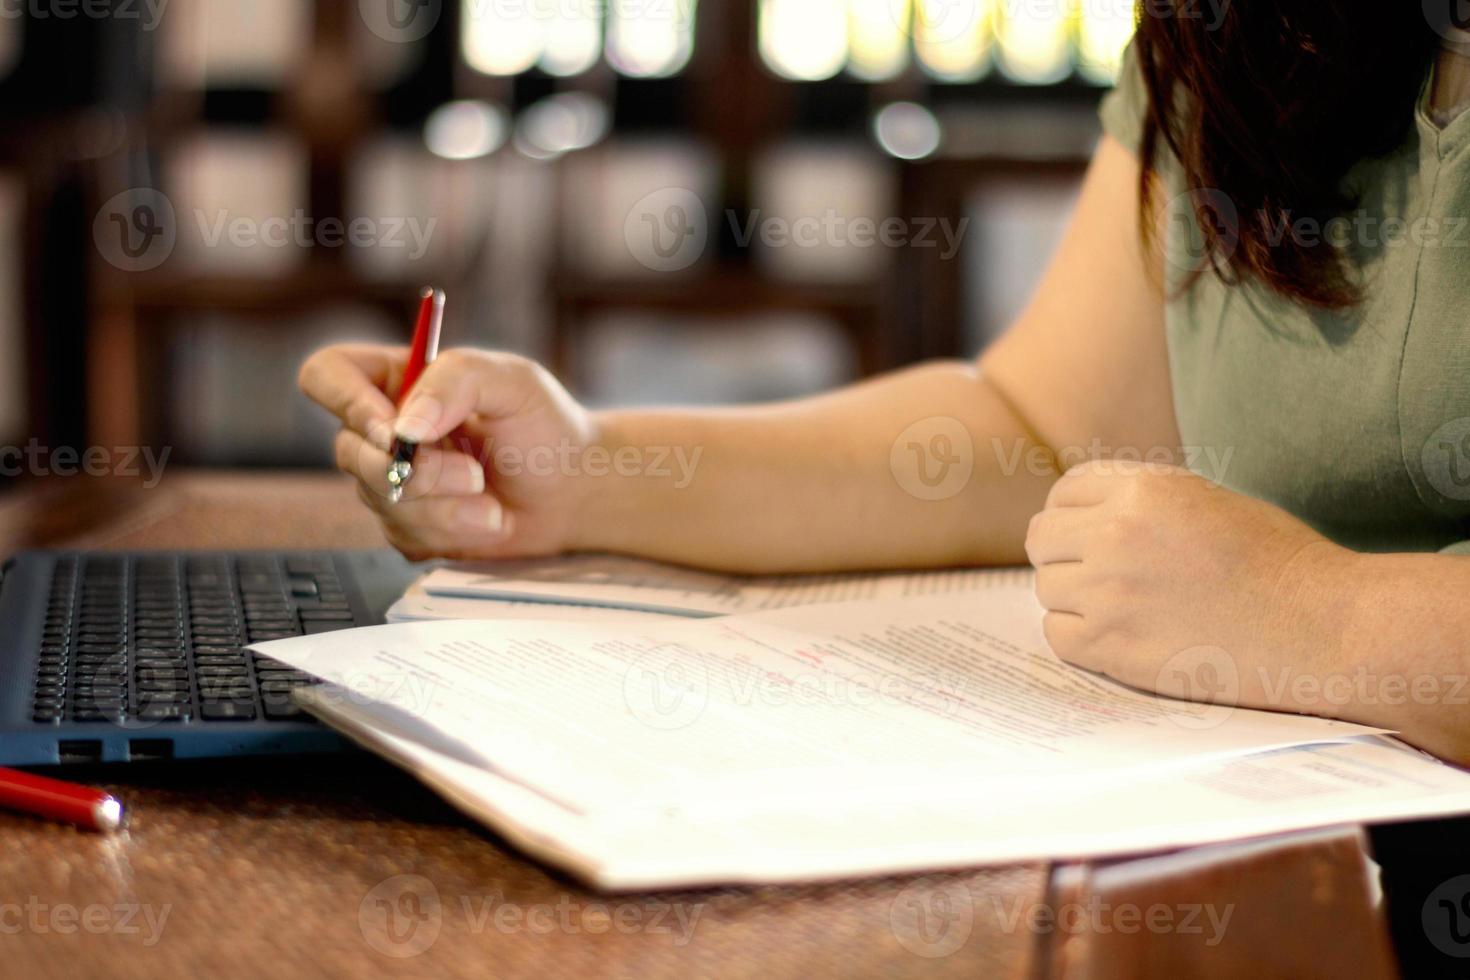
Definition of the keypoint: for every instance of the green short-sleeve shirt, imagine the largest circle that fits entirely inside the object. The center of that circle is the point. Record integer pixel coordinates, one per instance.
(1359, 423)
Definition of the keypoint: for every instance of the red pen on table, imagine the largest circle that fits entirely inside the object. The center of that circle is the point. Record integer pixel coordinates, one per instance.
(421, 355)
(67, 802)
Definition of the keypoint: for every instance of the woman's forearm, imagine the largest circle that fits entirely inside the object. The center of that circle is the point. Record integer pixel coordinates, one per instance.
(925, 467)
(1393, 631)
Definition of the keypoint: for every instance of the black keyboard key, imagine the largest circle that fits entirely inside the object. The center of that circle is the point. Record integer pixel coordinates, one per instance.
(47, 716)
(94, 715)
(160, 658)
(163, 697)
(173, 679)
(257, 625)
(324, 626)
(234, 687)
(275, 670)
(166, 712)
(100, 676)
(283, 711)
(284, 684)
(102, 640)
(108, 648)
(217, 661)
(107, 707)
(233, 670)
(303, 586)
(325, 614)
(107, 682)
(227, 710)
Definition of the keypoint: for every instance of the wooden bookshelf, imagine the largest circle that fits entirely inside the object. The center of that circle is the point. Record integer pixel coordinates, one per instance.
(100, 336)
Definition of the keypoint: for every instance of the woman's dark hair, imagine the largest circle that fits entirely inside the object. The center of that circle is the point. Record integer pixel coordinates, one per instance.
(1269, 103)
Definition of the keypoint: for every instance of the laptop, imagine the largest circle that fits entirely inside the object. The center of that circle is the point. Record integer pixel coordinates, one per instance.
(130, 656)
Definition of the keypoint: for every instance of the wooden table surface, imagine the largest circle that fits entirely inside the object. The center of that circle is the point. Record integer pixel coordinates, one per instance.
(343, 866)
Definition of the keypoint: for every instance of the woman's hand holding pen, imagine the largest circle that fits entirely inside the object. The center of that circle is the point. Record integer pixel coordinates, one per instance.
(469, 409)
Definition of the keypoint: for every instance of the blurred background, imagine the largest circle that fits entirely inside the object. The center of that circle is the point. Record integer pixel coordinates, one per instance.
(689, 201)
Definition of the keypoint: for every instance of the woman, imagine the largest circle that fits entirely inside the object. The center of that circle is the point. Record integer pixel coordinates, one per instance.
(1264, 280)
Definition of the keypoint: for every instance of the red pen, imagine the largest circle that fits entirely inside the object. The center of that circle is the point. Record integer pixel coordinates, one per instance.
(425, 348)
(55, 800)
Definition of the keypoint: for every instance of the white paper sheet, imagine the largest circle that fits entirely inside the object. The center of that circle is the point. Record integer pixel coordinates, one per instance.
(1362, 780)
(631, 583)
(835, 705)
(418, 606)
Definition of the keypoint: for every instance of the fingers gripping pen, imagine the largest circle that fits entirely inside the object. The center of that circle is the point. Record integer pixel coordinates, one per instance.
(425, 348)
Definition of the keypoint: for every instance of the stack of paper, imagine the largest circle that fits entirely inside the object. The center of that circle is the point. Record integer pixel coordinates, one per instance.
(834, 740)
(584, 584)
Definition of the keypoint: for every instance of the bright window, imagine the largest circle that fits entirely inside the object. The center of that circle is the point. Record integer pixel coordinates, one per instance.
(1035, 42)
(640, 38)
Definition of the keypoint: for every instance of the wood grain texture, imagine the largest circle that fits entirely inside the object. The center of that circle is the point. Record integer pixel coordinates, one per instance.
(345, 867)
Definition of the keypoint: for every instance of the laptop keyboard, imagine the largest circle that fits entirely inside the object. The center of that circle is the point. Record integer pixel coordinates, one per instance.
(161, 638)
